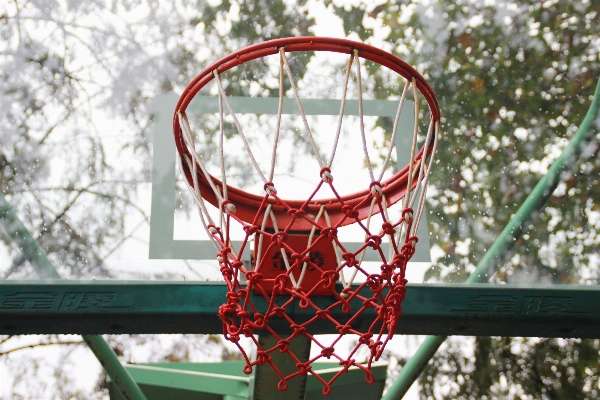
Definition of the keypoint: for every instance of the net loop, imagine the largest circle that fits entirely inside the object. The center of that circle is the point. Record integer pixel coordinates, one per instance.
(270, 188)
(407, 214)
(281, 282)
(304, 303)
(369, 377)
(376, 189)
(329, 278)
(326, 176)
(214, 230)
(228, 207)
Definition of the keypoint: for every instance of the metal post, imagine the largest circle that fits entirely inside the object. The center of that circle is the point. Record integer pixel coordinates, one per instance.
(536, 199)
(38, 259)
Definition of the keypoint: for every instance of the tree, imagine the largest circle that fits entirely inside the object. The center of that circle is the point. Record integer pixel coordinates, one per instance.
(66, 68)
(514, 80)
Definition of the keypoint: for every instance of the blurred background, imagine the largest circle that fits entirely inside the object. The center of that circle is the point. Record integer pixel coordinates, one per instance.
(78, 84)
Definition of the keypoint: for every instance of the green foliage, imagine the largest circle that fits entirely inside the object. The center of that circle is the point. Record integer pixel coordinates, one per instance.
(514, 80)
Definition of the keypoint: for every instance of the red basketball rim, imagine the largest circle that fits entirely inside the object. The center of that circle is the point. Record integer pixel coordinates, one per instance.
(248, 204)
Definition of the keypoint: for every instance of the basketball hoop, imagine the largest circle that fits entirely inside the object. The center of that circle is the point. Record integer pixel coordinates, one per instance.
(296, 250)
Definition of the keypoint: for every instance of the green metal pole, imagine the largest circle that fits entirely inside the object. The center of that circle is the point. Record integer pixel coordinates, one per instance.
(536, 199)
(45, 270)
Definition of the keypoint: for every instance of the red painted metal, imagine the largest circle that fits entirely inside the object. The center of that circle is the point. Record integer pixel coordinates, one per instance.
(247, 204)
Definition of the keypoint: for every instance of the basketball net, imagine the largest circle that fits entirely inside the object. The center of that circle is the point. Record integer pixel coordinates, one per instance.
(298, 261)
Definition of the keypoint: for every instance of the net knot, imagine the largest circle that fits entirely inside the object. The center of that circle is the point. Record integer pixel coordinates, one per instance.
(234, 339)
(388, 228)
(270, 188)
(299, 258)
(346, 364)
(232, 297)
(228, 207)
(329, 278)
(350, 258)
(329, 232)
(283, 345)
(386, 271)
(374, 347)
(281, 282)
(373, 241)
(214, 230)
(294, 212)
(375, 187)
(350, 212)
(248, 330)
(326, 175)
(262, 357)
(407, 214)
(374, 283)
(343, 329)
(280, 238)
(225, 310)
(299, 330)
(304, 368)
(227, 271)
(250, 229)
(327, 352)
(254, 277)
(222, 255)
(413, 241)
(409, 247)
(399, 260)
(322, 314)
(365, 338)
(278, 311)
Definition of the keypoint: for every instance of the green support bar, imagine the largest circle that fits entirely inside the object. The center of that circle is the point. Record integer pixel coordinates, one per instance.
(129, 307)
(45, 270)
(536, 199)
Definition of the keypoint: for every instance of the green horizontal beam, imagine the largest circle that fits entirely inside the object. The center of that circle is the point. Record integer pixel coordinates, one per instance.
(131, 307)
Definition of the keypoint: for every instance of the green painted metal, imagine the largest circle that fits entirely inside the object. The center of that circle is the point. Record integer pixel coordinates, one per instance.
(68, 307)
(225, 380)
(263, 385)
(36, 256)
(536, 199)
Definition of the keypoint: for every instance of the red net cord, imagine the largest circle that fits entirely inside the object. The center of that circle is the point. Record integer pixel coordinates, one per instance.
(271, 295)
